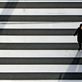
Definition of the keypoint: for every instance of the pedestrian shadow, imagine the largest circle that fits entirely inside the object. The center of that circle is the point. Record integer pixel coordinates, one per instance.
(2, 22)
(76, 67)
(3, 19)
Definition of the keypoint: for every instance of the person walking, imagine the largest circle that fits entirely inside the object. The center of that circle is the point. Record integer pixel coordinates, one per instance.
(78, 32)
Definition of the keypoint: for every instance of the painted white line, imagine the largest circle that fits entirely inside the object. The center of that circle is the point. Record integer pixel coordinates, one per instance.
(39, 25)
(25, 11)
(40, 68)
(38, 39)
(41, 53)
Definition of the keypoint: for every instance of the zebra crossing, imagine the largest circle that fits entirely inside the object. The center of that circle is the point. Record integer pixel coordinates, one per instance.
(37, 42)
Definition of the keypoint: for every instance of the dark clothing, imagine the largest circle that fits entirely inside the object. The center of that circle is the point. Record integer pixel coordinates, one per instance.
(79, 46)
(79, 35)
(78, 32)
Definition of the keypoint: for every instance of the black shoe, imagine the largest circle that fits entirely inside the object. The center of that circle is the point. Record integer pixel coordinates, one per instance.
(79, 49)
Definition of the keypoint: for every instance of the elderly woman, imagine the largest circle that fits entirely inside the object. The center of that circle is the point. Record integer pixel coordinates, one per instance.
(78, 32)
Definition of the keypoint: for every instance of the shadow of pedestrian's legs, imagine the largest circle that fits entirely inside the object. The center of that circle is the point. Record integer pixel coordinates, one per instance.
(76, 68)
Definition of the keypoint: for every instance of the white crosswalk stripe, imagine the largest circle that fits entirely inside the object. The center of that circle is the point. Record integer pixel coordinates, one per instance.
(40, 50)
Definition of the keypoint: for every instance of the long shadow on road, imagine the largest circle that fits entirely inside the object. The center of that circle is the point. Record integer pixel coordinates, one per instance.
(76, 68)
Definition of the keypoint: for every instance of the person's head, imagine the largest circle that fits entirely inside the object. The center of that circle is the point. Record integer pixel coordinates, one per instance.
(81, 26)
